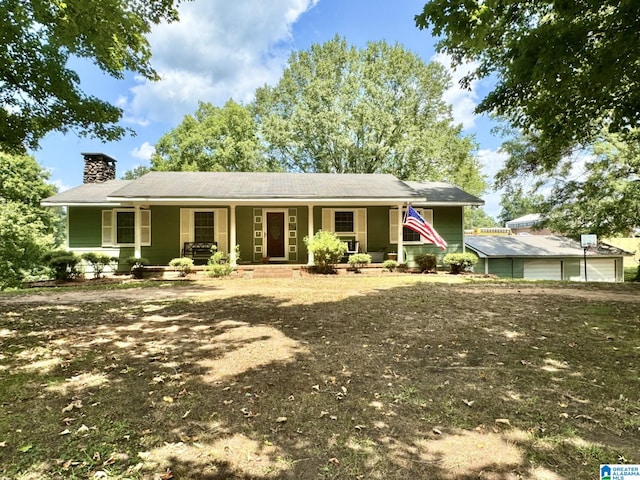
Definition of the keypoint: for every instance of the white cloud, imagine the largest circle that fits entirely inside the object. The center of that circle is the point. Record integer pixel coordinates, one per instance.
(463, 101)
(217, 50)
(143, 152)
(60, 185)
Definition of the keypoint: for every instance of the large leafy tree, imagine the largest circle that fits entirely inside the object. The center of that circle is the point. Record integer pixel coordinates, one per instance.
(518, 201)
(565, 69)
(603, 196)
(212, 139)
(26, 229)
(340, 109)
(39, 92)
(475, 217)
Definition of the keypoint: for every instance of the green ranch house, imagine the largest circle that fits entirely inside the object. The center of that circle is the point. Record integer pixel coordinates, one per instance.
(163, 215)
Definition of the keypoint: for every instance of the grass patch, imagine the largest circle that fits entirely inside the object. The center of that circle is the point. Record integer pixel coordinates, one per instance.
(343, 377)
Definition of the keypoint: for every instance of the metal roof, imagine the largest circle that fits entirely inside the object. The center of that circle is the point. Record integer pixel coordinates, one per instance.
(533, 246)
(528, 220)
(440, 193)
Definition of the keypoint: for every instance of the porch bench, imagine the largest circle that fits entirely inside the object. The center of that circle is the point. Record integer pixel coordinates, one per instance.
(197, 250)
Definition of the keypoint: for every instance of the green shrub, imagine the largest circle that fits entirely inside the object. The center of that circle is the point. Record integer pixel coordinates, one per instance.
(359, 260)
(64, 264)
(427, 262)
(99, 261)
(459, 262)
(390, 265)
(137, 265)
(402, 267)
(218, 264)
(327, 249)
(182, 265)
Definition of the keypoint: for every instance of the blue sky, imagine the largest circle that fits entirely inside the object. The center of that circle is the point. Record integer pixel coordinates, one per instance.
(222, 49)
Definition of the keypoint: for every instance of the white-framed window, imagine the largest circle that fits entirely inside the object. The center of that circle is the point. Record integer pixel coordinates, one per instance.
(347, 222)
(204, 225)
(119, 227)
(408, 236)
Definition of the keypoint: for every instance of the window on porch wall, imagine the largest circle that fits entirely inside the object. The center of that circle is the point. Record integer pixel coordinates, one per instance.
(118, 227)
(347, 222)
(408, 235)
(203, 227)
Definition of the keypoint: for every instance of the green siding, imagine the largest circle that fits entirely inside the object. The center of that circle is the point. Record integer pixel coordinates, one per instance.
(447, 221)
(244, 232)
(571, 268)
(165, 235)
(85, 231)
(506, 267)
(377, 228)
(85, 227)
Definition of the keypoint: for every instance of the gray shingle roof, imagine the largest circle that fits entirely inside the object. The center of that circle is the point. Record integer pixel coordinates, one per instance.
(440, 193)
(243, 185)
(89, 193)
(264, 186)
(533, 246)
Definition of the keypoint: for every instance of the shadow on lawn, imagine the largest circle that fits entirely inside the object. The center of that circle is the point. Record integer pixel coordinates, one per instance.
(400, 383)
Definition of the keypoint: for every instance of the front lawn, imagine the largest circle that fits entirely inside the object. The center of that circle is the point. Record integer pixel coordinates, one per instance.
(342, 377)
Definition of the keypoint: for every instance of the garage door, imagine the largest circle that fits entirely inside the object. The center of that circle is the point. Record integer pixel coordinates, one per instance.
(599, 269)
(543, 269)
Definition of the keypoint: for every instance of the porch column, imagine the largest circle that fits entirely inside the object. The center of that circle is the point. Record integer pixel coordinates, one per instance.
(232, 235)
(310, 232)
(400, 239)
(137, 241)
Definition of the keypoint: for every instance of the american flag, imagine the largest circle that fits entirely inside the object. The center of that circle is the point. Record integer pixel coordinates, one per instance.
(414, 221)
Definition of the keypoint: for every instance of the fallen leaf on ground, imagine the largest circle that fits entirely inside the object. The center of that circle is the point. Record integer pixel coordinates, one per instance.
(281, 419)
(66, 431)
(82, 429)
(168, 399)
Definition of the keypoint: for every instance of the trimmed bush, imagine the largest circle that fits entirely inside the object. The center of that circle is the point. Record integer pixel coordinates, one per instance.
(359, 260)
(137, 265)
(427, 262)
(327, 249)
(182, 265)
(218, 264)
(390, 265)
(459, 262)
(64, 264)
(99, 261)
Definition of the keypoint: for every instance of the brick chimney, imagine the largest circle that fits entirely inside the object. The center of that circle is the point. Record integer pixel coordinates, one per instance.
(98, 168)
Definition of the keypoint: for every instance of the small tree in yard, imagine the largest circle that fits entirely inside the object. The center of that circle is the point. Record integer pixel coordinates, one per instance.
(327, 249)
(459, 262)
(99, 261)
(359, 260)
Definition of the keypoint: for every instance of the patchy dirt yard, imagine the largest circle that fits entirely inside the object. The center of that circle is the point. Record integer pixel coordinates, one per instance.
(389, 377)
